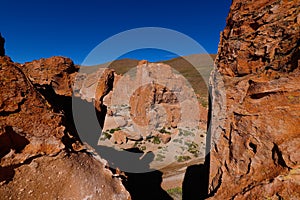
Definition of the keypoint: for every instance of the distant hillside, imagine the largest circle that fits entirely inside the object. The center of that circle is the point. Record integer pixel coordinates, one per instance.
(186, 66)
(120, 66)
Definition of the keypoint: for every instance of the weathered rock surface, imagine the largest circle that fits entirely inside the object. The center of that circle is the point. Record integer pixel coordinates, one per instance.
(28, 126)
(149, 98)
(93, 87)
(36, 161)
(65, 176)
(2, 49)
(259, 36)
(256, 103)
(150, 108)
(56, 72)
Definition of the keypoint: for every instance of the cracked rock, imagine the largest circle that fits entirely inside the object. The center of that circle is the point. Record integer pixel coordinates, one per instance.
(256, 103)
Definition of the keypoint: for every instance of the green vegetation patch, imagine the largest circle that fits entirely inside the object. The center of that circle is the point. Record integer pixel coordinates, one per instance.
(182, 158)
(143, 148)
(193, 148)
(105, 135)
(156, 140)
(175, 191)
(163, 130)
(114, 130)
(160, 157)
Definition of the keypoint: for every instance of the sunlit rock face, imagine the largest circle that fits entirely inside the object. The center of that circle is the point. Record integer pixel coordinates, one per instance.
(256, 103)
(155, 109)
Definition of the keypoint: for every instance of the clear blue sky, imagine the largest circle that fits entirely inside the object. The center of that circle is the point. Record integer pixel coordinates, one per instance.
(42, 28)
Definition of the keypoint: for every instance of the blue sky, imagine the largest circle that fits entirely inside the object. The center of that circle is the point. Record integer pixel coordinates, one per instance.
(35, 29)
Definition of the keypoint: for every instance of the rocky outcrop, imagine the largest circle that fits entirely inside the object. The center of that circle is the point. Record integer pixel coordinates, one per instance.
(150, 108)
(27, 122)
(2, 50)
(256, 103)
(260, 36)
(104, 86)
(94, 86)
(55, 72)
(150, 97)
(37, 160)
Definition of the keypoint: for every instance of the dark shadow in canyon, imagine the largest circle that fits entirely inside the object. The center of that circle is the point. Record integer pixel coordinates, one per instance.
(146, 185)
(141, 182)
(195, 183)
(196, 180)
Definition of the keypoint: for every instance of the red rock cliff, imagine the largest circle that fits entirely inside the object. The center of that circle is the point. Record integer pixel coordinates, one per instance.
(256, 103)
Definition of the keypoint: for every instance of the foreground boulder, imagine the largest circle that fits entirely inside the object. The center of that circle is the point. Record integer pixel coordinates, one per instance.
(37, 158)
(256, 103)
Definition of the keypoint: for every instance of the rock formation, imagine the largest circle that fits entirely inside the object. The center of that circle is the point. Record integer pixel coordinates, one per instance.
(147, 112)
(55, 72)
(150, 108)
(2, 50)
(256, 103)
(38, 160)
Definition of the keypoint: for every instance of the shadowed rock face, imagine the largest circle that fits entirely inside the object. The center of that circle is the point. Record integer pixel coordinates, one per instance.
(256, 103)
(37, 158)
(2, 50)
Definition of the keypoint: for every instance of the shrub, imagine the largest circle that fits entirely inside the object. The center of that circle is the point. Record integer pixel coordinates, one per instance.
(160, 157)
(105, 135)
(114, 130)
(163, 130)
(142, 148)
(156, 140)
(193, 148)
(182, 158)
